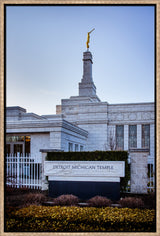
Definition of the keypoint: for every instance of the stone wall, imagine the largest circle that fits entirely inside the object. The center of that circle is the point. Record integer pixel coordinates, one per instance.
(98, 117)
(68, 136)
(38, 141)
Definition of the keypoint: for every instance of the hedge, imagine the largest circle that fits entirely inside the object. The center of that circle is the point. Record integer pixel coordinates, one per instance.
(94, 156)
(77, 219)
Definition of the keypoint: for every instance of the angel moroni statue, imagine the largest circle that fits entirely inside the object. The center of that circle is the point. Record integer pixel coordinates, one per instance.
(88, 38)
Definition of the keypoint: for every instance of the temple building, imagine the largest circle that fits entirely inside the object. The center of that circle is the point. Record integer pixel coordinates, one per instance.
(83, 123)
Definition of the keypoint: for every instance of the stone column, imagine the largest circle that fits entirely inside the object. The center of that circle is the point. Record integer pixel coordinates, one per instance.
(43, 178)
(139, 170)
(139, 136)
(125, 137)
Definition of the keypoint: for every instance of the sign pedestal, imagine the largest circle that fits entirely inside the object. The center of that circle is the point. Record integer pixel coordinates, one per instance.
(84, 189)
(85, 179)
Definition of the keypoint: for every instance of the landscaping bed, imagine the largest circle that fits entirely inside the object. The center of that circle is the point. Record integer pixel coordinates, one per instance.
(36, 212)
(80, 219)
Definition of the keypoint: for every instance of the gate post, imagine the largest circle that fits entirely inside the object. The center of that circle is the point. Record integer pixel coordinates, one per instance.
(139, 170)
(43, 177)
(44, 154)
(18, 156)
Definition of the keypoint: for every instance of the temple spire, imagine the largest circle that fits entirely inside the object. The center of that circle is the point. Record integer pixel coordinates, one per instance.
(87, 87)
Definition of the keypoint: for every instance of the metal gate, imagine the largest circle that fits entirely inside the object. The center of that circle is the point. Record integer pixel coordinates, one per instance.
(23, 171)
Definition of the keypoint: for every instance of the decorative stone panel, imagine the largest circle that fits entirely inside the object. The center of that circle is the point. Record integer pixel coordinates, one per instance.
(139, 170)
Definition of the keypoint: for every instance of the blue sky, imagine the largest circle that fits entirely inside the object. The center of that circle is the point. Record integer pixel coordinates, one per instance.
(45, 46)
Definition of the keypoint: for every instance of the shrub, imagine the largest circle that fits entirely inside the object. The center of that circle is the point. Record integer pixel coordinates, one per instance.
(149, 200)
(66, 200)
(99, 201)
(9, 190)
(16, 191)
(71, 219)
(34, 199)
(9, 210)
(14, 200)
(131, 202)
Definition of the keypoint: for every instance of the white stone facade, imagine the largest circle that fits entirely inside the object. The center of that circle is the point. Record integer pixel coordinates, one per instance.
(39, 140)
(100, 120)
(83, 122)
(47, 132)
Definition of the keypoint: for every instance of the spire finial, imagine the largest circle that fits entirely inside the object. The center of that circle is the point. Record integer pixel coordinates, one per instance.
(88, 38)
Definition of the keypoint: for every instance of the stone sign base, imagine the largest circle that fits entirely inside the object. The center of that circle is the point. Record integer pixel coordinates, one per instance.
(85, 179)
(85, 189)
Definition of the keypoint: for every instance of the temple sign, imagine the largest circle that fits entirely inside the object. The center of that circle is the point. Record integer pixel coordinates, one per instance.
(88, 38)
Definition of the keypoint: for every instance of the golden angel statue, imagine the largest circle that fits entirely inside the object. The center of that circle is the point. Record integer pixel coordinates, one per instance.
(88, 38)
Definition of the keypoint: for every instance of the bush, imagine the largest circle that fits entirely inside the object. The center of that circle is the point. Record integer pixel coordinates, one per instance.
(131, 202)
(99, 201)
(34, 199)
(25, 199)
(9, 210)
(77, 219)
(66, 200)
(14, 200)
(149, 200)
(11, 191)
(88, 156)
